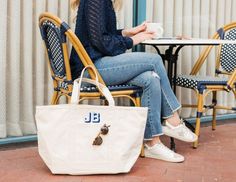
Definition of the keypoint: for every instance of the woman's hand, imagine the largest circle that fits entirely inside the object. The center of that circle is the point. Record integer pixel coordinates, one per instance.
(142, 36)
(135, 30)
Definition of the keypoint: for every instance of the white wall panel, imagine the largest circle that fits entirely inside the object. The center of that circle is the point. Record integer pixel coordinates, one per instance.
(3, 68)
(14, 30)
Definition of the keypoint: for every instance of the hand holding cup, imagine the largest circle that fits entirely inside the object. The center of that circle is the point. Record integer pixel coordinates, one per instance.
(156, 28)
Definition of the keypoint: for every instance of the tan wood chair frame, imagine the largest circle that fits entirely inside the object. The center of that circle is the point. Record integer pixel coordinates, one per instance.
(212, 88)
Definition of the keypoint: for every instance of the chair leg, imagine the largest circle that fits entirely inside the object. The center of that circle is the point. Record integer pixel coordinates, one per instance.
(54, 99)
(198, 119)
(138, 101)
(138, 104)
(67, 99)
(214, 101)
(142, 154)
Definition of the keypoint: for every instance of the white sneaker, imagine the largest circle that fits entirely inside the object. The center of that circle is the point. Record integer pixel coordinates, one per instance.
(180, 132)
(160, 151)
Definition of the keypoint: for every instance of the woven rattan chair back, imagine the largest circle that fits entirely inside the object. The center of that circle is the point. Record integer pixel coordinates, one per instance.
(228, 52)
(52, 37)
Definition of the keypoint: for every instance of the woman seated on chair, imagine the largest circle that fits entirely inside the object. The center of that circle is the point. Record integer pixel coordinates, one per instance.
(96, 29)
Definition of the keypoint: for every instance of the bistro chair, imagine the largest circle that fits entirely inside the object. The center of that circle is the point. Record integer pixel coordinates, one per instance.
(56, 36)
(205, 85)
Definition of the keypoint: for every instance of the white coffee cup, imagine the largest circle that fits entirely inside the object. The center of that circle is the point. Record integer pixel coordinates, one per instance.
(157, 28)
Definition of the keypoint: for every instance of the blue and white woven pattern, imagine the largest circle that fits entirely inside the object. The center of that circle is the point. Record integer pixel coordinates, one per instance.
(228, 53)
(193, 81)
(54, 48)
(92, 88)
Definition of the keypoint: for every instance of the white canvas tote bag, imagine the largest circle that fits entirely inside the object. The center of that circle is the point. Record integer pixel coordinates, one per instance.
(87, 139)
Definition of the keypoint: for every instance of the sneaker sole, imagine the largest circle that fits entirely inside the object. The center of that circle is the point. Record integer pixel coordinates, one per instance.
(163, 158)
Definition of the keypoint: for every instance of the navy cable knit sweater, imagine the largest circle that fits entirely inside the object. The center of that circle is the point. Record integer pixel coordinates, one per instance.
(96, 29)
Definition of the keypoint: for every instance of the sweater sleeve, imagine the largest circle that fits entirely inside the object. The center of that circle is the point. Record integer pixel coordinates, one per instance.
(107, 43)
(119, 31)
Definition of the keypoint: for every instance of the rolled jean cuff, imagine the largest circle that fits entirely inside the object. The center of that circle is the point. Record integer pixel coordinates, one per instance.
(166, 117)
(149, 139)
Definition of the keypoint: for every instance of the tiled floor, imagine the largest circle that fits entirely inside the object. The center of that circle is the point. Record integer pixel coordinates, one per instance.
(214, 160)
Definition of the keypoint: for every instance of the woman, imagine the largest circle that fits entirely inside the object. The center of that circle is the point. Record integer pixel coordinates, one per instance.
(96, 29)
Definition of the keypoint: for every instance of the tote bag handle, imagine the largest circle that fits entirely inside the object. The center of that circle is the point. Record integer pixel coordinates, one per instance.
(102, 88)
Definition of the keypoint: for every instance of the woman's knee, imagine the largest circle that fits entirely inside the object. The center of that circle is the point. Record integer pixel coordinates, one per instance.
(146, 56)
(155, 57)
(157, 62)
(147, 79)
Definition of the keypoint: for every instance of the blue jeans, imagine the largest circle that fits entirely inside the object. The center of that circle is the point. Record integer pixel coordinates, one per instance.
(145, 70)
